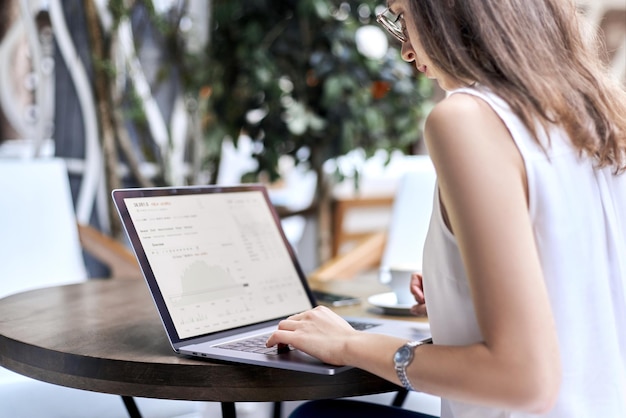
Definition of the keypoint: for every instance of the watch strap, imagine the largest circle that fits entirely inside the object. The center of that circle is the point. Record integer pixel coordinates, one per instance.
(401, 369)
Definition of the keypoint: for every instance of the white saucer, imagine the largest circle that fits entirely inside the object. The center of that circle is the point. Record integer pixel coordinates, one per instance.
(389, 304)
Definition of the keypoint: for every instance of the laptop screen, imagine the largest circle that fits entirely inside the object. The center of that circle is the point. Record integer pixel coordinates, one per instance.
(219, 260)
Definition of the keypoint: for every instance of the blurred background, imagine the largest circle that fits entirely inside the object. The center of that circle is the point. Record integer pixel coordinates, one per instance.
(309, 97)
(293, 94)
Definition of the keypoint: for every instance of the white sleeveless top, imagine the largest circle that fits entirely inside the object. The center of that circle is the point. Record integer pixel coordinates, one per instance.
(579, 222)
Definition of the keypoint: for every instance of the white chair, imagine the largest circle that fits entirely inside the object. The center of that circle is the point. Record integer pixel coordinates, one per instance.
(41, 247)
(401, 243)
(410, 217)
(42, 243)
(363, 208)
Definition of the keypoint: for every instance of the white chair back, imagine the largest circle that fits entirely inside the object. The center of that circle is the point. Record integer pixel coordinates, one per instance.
(410, 216)
(39, 245)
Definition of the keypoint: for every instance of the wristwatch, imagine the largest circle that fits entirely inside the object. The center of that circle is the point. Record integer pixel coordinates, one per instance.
(403, 357)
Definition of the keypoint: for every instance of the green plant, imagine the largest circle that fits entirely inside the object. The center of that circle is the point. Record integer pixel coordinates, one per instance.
(287, 73)
(290, 75)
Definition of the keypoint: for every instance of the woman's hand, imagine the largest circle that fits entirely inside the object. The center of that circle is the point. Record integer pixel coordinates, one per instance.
(417, 289)
(318, 332)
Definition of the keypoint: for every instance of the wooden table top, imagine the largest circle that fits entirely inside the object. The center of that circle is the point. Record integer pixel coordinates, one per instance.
(106, 336)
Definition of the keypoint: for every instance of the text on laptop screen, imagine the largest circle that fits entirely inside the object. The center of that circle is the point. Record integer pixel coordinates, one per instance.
(218, 259)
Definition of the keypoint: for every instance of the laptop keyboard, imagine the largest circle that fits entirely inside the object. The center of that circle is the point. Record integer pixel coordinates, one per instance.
(251, 345)
(257, 344)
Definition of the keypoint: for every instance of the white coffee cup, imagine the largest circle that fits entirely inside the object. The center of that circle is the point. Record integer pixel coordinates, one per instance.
(398, 278)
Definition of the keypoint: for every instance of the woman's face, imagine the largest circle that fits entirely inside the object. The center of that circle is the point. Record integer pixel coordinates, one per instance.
(412, 50)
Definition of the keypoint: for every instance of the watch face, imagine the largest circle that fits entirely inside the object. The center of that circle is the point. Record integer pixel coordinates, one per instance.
(403, 355)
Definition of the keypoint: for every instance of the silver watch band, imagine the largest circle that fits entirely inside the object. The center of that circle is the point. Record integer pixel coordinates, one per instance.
(401, 369)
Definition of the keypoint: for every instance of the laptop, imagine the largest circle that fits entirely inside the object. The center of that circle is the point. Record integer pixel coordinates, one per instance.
(222, 273)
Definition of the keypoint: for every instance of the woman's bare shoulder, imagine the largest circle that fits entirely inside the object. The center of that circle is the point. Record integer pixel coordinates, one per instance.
(472, 150)
(460, 114)
(464, 125)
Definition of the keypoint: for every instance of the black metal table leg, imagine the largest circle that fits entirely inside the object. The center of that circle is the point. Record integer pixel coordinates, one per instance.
(400, 397)
(278, 409)
(131, 407)
(228, 410)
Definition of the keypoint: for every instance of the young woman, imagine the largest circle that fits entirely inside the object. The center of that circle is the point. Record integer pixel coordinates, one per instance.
(525, 261)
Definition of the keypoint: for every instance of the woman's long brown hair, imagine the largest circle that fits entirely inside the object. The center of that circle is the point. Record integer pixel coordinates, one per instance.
(535, 55)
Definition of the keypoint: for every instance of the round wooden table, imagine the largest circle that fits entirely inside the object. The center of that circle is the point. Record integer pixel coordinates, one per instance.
(106, 336)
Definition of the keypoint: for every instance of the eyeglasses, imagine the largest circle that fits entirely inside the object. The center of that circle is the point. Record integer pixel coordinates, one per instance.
(393, 23)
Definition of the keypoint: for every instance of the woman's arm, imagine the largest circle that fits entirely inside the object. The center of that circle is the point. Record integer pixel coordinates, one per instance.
(483, 191)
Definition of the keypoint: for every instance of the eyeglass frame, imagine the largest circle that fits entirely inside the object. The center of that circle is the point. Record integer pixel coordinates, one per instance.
(392, 26)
